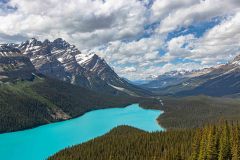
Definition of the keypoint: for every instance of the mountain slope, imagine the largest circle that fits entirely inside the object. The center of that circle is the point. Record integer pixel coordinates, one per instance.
(221, 80)
(27, 104)
(224, 80)
(174, 78)
(14, 66)
(63, 61)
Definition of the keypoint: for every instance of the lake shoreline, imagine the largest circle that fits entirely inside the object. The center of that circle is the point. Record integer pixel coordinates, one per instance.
(54, 137)
(62, 120)
(90, 110)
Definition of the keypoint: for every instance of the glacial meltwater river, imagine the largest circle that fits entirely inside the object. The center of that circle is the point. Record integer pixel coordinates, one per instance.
(42, 142)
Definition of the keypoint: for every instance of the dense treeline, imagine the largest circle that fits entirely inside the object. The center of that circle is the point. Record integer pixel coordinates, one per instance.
(126, 143)
(221, 142)
(26, 104)
(195, 111)
(76, 100)
(212, 142)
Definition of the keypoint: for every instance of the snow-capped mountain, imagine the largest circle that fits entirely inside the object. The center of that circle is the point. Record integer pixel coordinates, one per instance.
(99, 67)
(55, 59)
(216, 81)
(174, 78)
(8, 50)
(61, 60)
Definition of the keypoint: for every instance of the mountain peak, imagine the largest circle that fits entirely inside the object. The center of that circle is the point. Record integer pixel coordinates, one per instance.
(46, 42)
(60, 43)
(32, 39)
(34, 42)
(57, 43)
(61, 60)
(8, 50)
(236, 60)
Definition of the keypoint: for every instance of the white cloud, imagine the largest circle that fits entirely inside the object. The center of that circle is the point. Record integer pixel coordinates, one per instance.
(162, 8)
(186, 12)
(84, 22)
(142, 57)
(221, 43)
(131, 53)
(136, 56)
(176, 47)
(112, 29)
(130, 69)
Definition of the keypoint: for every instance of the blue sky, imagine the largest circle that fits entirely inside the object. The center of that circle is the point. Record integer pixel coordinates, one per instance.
(138, 38)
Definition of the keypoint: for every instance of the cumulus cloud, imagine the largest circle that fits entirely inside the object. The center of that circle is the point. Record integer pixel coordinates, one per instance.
(221, 43)
(162, 8)
(129, 69)
(132, 36)
(178, 47)
(144, 50)
(142, 57)
(186, 12)
(84, 22)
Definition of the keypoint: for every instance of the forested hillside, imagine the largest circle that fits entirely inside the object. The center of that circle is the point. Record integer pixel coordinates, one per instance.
(26, 104)
(194, 111)
(211, 142)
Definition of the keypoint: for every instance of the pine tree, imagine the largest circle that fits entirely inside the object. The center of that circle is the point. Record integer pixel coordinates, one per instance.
(224, 145)
(196, 144)
(203, 143)
(211, 144)
(235, 148)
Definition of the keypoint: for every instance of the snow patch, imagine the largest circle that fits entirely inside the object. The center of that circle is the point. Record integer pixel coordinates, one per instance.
(236, 63)
(82, 58)
(124, 90)
(60, 60)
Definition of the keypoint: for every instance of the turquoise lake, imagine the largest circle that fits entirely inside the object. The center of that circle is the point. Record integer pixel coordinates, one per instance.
(42, 142)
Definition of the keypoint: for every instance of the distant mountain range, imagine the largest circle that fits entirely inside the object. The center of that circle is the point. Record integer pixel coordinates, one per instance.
(173, 78)
(216, 81)
(60, 60)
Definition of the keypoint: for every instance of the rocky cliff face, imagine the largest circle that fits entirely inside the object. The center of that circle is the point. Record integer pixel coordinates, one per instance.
(13, 65)
(61, 60)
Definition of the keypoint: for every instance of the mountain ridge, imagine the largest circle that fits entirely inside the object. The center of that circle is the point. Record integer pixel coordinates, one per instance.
(61, 60)
(221, 80)
(173, 78)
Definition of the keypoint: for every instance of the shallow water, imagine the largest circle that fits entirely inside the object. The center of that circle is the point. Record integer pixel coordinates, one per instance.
(41, 142)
